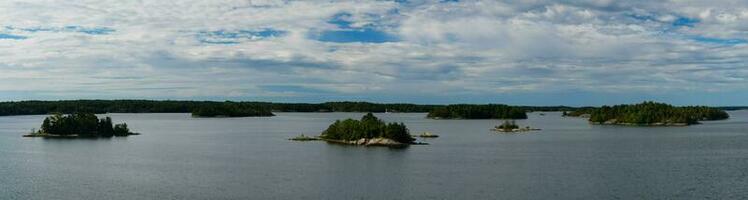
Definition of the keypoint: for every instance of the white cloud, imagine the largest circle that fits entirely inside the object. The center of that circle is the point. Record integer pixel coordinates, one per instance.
(158, 49)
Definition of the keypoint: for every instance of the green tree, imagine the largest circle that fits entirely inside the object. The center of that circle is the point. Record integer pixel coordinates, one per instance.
(368, 127)
(121, 130)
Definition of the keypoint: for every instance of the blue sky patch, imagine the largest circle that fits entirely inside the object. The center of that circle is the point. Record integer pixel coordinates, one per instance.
(75, 29)
(90, 31)
(720, 41)
(347, 34)
(366, 35)
(4, 36)
(235, 37)
(684, 21)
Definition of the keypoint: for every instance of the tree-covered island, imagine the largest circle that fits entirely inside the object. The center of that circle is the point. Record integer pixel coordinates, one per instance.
(512, 127)
(369, 131)
(650, 114)
(80, 125)
(466, 111)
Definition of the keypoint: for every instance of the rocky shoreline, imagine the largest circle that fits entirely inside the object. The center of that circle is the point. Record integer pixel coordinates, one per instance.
(516, 130)
(615, 122)
(71, 136)
(372, 142)
(361, 142)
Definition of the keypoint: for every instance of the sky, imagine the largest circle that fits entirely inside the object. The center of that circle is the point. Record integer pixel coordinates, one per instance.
(519, 52)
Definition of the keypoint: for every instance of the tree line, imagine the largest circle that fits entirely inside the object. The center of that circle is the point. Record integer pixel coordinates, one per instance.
(467, 111)
(199, 108)
(231, 110)
(208, 108)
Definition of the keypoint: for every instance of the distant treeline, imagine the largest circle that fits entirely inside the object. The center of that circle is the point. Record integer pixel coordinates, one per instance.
(650, 113)
(466, 111)
(230, 109)
(212, 108)
(349, 107)
(730, 108)
(198, 108)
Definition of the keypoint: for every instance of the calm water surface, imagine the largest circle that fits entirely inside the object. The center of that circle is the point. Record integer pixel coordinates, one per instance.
(179, 157)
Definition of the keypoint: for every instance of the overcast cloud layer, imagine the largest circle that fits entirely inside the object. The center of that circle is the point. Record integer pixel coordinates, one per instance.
(531, 52)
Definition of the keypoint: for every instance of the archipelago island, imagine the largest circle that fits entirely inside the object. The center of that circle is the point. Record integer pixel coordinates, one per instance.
(369, 131)
(80, 125)
(649, 114)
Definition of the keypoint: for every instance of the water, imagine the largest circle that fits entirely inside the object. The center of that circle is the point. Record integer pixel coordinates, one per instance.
(179, 157)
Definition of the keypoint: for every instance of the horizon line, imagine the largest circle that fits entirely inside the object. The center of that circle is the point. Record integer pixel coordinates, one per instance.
(362, 101)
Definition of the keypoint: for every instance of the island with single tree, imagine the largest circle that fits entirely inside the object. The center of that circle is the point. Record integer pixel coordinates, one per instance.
(467, 111)
(650, 114)
(369, 131)
(512, 127)
(80, 125)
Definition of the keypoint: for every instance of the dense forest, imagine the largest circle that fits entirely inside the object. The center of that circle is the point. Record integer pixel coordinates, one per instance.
(199, 108)
(213, 108)
(368, 127)
(231, 110)
(351, 107)
(99, 106)
(82, 125)
(650, 113)
(466, 111)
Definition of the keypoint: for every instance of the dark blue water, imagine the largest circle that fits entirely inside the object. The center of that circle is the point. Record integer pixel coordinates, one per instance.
(179, 157)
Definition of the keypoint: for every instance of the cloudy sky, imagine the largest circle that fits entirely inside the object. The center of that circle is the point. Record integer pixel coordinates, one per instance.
(528, 52)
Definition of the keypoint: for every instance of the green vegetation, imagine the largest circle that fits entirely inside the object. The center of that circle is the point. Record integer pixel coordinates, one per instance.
(651, 113)
(512, 127)
(81, 125)
(303, 137)
(490, 111)
(508, 126)
(367, 128)
(579, 112)
(230, 110)
(215, 108)
(245, 109)
(350, 107)
(200, 108)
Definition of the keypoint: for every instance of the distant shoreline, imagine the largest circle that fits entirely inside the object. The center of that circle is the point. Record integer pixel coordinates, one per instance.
(34, 107)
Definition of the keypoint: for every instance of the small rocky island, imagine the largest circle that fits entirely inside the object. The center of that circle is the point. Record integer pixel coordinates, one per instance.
(512, 127)
(650, 114)
(80, 125)
(369, 131)
(303, 137)
(428, 135)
